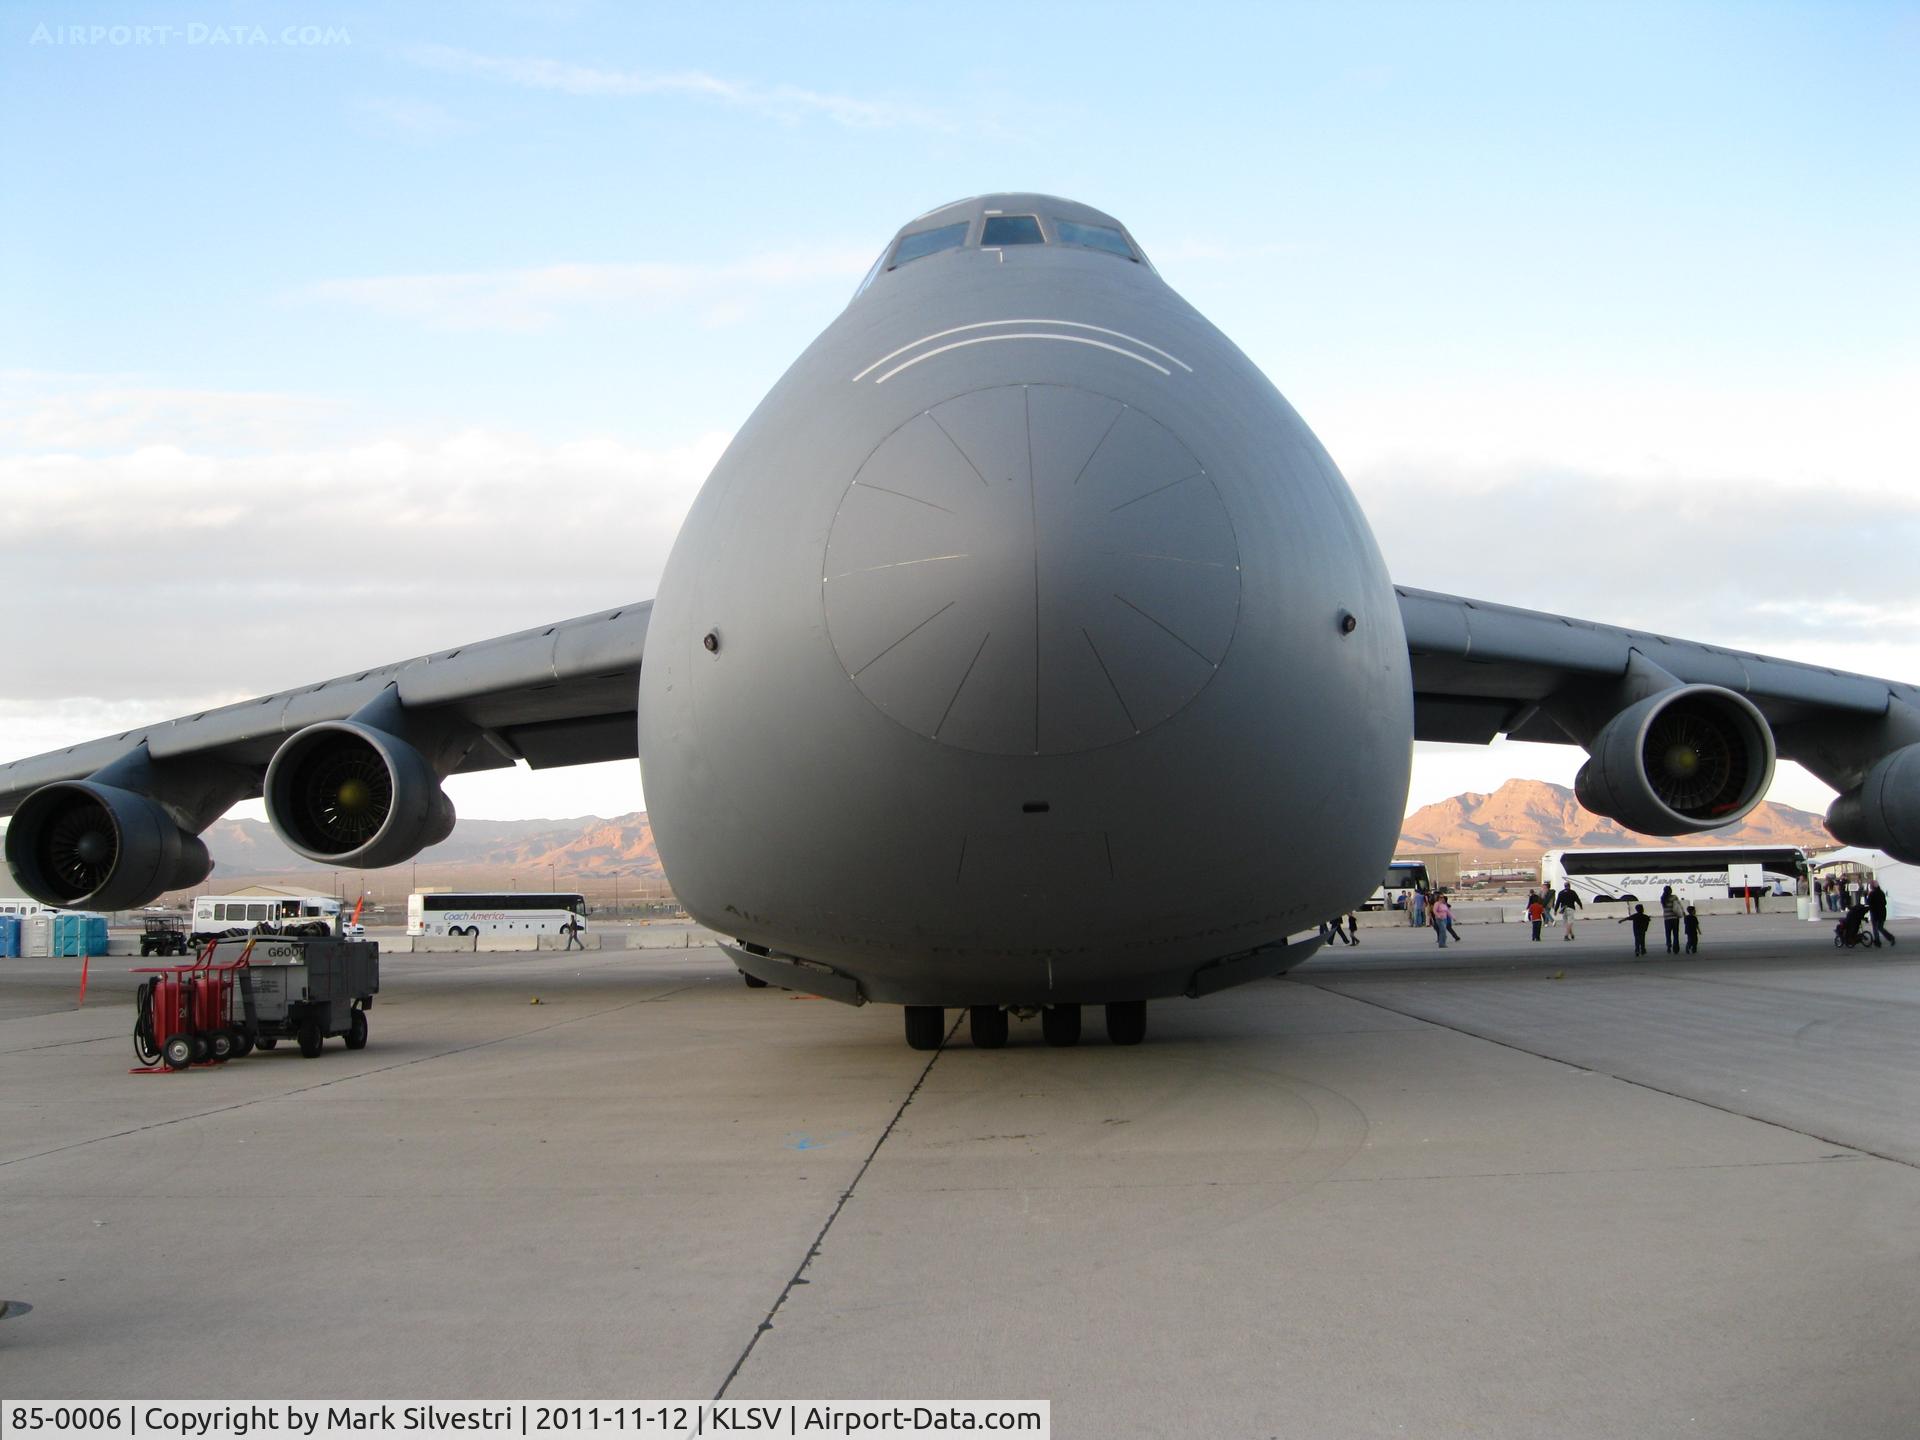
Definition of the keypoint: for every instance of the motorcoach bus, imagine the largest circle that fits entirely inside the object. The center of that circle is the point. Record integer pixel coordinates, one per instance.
(1696, 872)
(511, 912)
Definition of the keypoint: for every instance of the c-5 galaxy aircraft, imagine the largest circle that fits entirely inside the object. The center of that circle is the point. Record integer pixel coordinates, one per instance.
(1024, 651)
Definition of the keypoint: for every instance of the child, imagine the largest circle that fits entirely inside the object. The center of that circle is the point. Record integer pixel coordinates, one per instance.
(1641, 922)
(1536, 912)
(1693, 931)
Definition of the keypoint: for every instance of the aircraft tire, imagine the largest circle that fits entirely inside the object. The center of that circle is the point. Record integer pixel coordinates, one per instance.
(1126, 1022)
(987, 1024)
(926, 1026)
(1060, 1024)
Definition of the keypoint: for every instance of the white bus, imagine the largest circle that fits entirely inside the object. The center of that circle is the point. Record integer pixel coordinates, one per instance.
(1395, 891)
(217, 914)
(512, 912)
(1696, 872)
(24, 908)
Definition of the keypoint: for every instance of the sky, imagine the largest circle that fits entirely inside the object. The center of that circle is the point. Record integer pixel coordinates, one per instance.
(332, 334)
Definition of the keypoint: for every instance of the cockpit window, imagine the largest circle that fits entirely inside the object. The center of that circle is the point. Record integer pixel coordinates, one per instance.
(1012, 230)
(879, 264)
(1094, 237)
(928, 242)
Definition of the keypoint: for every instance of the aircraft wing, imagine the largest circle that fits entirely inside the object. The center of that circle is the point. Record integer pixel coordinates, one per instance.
(560, 694)
(1635, 700)
(1481, 670)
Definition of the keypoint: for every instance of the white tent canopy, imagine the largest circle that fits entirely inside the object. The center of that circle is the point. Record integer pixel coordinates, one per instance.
(1900, 881)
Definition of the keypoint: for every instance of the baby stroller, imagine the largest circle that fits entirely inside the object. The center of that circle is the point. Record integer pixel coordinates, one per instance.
(1847, 934)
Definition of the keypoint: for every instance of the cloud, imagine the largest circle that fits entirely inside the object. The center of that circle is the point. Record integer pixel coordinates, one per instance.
(1760, 517)
(787, 104)
(534, 297)
(167, 576)
(1826, 433)
(1764, 565)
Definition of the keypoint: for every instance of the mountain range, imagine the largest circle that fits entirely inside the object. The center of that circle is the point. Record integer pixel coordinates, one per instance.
(587, 853)
(594, 853)
(1525, 817)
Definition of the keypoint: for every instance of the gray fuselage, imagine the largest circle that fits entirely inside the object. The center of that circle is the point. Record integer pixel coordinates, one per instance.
(1005, 656)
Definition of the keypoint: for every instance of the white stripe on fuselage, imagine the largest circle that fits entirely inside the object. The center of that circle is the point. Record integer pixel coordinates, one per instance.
(1030, 320)
(1021, 335)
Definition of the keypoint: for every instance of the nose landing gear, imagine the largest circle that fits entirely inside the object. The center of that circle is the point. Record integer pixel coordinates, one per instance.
(987, 1025)
(926, 1026)
(1126, 1022)
(1060, 1024)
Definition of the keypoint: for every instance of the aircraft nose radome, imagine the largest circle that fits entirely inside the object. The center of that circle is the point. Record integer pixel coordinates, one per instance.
(1031, 569)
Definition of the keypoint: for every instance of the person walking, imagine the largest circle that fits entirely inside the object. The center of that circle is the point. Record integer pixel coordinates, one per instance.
(1568, 902)
(1417, 909)
(1536, 912)
(1353, 928)
(1442, 919)
(1641, 922)
(1670, 910)
(1692, 924)
(1846, 895)
(1877, 915)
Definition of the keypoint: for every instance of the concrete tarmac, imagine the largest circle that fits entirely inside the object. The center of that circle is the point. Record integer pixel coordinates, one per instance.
(1511, 1189)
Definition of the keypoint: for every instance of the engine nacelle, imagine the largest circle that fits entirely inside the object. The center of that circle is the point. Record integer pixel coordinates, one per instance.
(81, 844)
(344, 792)
(1883, 811)
(1689, 758)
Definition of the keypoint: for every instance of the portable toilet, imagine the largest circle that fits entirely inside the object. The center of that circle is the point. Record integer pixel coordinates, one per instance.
(9, 935)
(79, 934)
(36, 936)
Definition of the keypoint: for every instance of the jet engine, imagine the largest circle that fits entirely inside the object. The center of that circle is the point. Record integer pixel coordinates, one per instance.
(1883, 811)
(87, 845)
(1688, 758)
(346, 792)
